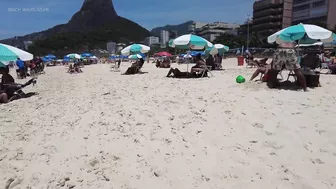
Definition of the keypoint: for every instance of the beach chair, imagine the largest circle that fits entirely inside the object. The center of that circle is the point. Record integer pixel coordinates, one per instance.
(325, 66)
(115, 67)
(291, 74)
(206, 70)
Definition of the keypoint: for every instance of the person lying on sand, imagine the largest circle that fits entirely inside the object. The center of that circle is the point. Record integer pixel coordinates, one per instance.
(178, 74)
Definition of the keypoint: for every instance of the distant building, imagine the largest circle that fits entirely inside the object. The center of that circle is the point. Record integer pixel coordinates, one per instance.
(310, 11)
(211, 31)
(111, 47)
(27, 44)
(164, 38)
(196, 26)
(270, 16)
(151, 40)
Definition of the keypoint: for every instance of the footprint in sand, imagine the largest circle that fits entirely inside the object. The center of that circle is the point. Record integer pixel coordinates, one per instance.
(258, 125)
(273, 145)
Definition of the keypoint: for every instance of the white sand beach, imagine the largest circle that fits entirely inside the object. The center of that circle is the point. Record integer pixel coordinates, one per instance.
(101, 129)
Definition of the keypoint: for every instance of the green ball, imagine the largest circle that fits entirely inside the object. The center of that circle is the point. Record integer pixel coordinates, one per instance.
(240, 79)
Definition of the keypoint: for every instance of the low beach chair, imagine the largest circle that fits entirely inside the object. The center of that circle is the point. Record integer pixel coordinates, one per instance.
(325, 66)
(115, 67)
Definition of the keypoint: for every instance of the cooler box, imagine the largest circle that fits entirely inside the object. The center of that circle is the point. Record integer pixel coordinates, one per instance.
(240, 60)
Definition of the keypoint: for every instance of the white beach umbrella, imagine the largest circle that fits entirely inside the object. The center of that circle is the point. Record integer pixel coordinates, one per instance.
(135, 56)
(74, 56)
(301, 31)
(190, 41)
(135, 49)
(10, 53)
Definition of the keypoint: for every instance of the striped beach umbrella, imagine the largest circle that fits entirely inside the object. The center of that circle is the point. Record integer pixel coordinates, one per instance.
(135, 49)
(217, 48)
(73, 56)
(135, 56)
(300, 31)
(9, 53)
(190, 41)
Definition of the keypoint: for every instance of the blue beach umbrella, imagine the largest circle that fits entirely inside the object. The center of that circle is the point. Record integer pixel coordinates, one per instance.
(86, 55)
(50, 56)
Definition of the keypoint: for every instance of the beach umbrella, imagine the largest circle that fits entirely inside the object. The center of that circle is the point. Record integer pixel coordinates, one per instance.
(187, 56)
(44, 59)
(9, 53)
(135, 49)
(73, 56)
(195, 53)
(94, 57)
(86, 55)
(190, 41)
(50, 56)
(164, 53)
(217, 48)
(135, 56)
(297, 32)
(4, 64)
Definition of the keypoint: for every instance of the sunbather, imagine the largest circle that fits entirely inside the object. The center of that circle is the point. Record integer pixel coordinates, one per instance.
(200, 64)
(6, 77)
(135, 67)
(262, 70)
(71, 69)
(3, 97)
(178, 74)
(286, 56)
(77, 68)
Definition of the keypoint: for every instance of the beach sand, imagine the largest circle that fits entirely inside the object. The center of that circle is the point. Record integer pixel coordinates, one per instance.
(101, 129)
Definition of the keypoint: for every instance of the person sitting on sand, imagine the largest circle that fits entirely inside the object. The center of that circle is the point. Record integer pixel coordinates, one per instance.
(200, 64)
(135, 67)
(77, 68)
(286, 56)
(262, 70)
(158, 63)
(165, 63)
(210, 61)
(6, 77)
(71, 69)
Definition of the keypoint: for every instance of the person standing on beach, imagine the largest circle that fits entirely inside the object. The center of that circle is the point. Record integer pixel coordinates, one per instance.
(21, 66)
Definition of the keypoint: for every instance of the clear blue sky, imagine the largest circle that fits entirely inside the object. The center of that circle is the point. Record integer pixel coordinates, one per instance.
(148, 13)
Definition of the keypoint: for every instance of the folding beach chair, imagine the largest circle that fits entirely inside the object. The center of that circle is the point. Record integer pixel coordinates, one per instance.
(207, 69)
(115, 67)
(325, 66)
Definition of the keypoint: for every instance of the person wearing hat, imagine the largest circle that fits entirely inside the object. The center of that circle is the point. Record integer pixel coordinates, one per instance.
(285, 56)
